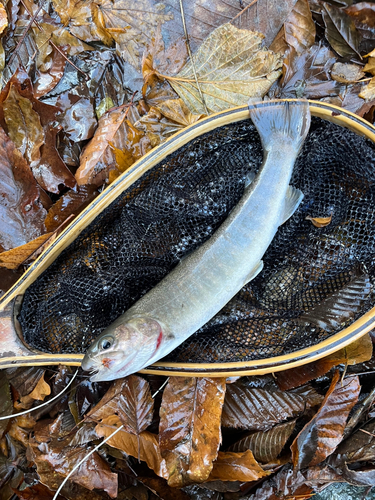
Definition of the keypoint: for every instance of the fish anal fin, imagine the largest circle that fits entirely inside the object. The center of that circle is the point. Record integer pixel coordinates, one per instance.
(254, 272)
(292, 201)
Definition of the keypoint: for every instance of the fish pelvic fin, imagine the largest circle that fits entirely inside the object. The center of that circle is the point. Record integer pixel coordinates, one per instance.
(281, 122)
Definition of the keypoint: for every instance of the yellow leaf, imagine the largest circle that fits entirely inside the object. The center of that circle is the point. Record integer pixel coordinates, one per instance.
(231, 66)
(370, 66)
(3, 18)
(368, 92)
(231, 466)
(12, 259)
(320, 221)
(146, 444)
(42, 389)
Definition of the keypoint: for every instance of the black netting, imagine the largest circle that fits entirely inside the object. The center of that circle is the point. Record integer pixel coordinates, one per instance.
(175, 207)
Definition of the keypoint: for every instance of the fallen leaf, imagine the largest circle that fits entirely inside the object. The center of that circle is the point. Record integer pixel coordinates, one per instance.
(161, 489)
(341, 306)
(327, 425)
(298, 30)
(368, 92)
(362, 14)
(146, 445)
(38, 492)
(41, 390)
(47, 80)
(320, 221)
(360, 446)
(71, 203)
(166, 119)
(23, 123)
(231, 66)
(98, 158)
(266, 446)
(6, 404)
(21, 214)
(130, 399)
(3, 18)
(24, 380)
(340, 31)
(260, 409)
(13, 258)
(347, 73)
(77, 118)
(370, 66)
(231, 466)
(356, 352)
(189, 431)
(308, 75)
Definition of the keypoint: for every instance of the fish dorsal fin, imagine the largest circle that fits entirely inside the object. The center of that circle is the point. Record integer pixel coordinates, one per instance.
(292, 200)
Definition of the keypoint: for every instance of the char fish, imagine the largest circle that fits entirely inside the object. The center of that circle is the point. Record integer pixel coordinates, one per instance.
(204, 281)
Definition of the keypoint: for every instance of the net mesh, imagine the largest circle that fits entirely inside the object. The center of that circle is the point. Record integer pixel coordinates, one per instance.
(175, 207)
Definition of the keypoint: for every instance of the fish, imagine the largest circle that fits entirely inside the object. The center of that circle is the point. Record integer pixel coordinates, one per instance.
(206, 279)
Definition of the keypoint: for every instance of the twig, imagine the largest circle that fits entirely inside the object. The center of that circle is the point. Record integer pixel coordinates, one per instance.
(160, 388)
(367, 432)
(191, 58)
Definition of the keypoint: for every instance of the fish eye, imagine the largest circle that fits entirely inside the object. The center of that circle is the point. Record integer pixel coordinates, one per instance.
(105, 344)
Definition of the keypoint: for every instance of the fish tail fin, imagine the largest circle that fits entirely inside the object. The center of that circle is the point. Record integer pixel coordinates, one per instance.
(281, 121)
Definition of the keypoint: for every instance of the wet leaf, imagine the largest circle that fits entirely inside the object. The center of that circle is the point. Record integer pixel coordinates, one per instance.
(146, 445)
(160, 487)
(356, 352)
(368, 92)
(231, 67)
(3, 18)
(6, 404)
(370, 66)
(70, 204)
(23, 123)
(360, 446)
(98, 157)
(341, 306)
(189, 428)
(320, 437)
(298, 30)
(41, 390)
(48, 79)
(260, 409)
(78, 118)
(266, 446)
(13, 258)
(319, 221)
(166, 119)
(241, 466)
(24, 380)
(130, 399)
(362, 14)
(340, 31)
(308, 75)
(347, 73)
(51, 172)
(37, 492)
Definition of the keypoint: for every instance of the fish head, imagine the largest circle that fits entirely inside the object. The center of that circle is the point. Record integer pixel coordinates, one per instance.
(124, 349)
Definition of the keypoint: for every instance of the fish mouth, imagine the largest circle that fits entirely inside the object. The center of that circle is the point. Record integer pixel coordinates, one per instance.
(115, 369)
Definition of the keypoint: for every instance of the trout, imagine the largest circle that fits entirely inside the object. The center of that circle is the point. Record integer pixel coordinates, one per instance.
(204, 281)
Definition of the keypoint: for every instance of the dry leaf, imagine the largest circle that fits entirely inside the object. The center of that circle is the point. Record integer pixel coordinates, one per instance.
(231, 66)
(146, 444)
(266, 446)
(13, 258)
(368, 92)
(190, 427)
(166, 119)
(340, 31)
(42, 389)
(231, 466)
(347, 73)
(370, 66)
(327, 425)
(3, 18)
(320, 221)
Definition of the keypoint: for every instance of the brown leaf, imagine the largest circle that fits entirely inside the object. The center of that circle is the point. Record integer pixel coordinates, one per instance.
(146, 445)
(130, 399)
(51, 172)
(6, 404)
(360, 446)
(241, 466)
(190, 427)
(98, 158)
(23, 123)
(160, 487)
(41, 390)
(37, 492)
(71, 203)
(48, 79)
(347, 73)
(21, 214)
(320, 437)
(370, 66)
(259, 409)
(13, 258)
(3, 18)
(362, 14)
(266, 446)
(340, 31)
(300, 27)
(308, 75)
(226, 77)
(368, 92)
(77, 118)
(24, 380)
(320, 221)
(166, 119)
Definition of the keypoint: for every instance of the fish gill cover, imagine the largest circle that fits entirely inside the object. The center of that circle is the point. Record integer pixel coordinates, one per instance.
(176, 206)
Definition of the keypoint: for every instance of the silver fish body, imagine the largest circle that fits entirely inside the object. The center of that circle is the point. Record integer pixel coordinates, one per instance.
(208, 278)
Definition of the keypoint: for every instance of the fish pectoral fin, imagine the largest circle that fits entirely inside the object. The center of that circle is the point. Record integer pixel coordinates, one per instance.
(292, 200)
(254, 272)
